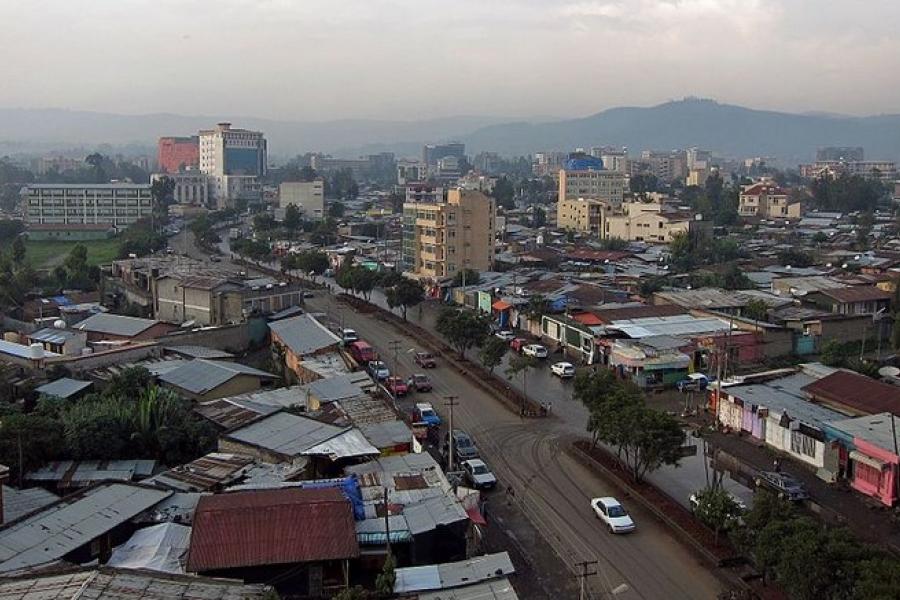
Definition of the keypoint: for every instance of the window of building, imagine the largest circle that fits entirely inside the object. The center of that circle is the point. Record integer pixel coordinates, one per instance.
(802, 444)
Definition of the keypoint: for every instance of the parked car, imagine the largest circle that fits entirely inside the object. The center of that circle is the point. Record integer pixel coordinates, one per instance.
(396, 386)
(419, 383)
(348, 336)
(535, 350)
(463, 446)
(506, 335)
(424, 413)
(563, 370)
(308, 295)
(478, 475)
(378, 370)
(782, 484)
(425, 360)
(610, 511)
(362, 352)
(518, 343)
(693, 382)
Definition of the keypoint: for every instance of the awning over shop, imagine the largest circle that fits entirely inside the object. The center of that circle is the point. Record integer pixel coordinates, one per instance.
(867, 460)
(501, 305)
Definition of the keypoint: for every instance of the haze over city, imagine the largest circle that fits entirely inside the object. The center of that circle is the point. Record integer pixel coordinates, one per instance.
(407, 59)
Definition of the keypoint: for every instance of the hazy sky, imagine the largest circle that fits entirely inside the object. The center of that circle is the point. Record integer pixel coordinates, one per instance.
(405, 59)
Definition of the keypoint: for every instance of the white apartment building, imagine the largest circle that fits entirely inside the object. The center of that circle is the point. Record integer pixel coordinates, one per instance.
(308, 196)
(191, 187)
(115, 204)
(233, 159)
(603, 185)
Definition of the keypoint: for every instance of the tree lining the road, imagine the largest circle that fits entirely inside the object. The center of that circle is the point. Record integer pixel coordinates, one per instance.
(463, 328)
(811, 560)
(717, 509)
(645, 439)
(492, 353)
(402, 292)
(310, 261)
(521, 363)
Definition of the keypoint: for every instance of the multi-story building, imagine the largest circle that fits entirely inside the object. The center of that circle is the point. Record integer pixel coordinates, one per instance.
(582, 215)
(425, 193)
(586, 178)
(548, 163)
(308, 196)
(766, 200)
(218, 300)
(60, 164)
(665, 166)
(614, 159)
(191, 187)
(233, 159)
(647, 222)
(176, 154)
(877, 169)
(442, 238)
(840, 153)
(411, 171)
(698, 159)
(432, 153)
(117, 205)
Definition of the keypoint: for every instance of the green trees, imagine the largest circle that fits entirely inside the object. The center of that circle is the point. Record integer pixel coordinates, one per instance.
(717, 509)
(492, 352)
(310, 261)
(644, 438)
(404, 293)
(521, 363)
(292, 218)
(846, 193)
(336, 210)
(357, 279)
(252, 249)
(756, 309)
(504, 192)
(811, 560)
(462, 328)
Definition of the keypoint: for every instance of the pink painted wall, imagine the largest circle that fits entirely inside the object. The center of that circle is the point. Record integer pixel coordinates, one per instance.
(885, 491)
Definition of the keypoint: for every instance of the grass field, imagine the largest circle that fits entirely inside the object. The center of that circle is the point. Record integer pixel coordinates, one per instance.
(46, 255)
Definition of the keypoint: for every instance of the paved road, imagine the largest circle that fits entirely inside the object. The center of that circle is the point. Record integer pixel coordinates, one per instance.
(552, 489)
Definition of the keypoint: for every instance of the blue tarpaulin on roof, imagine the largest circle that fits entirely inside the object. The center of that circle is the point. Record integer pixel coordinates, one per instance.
(349, 486)
(62, 301)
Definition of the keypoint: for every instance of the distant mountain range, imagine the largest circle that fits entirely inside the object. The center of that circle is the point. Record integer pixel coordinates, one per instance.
(726, 129)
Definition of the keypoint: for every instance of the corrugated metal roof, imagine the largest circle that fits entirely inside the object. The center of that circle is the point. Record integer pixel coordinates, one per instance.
(303, 334)
(69, 473)
(229, 413)
(671, 325)
(200, 376)
(158, 548)
(63, 387)
(115, 584)
(18, 503)
(455, 574)
(72, 522)
(857, 392)
(349, 444)
(387, 433)
(204, 474)
(335, 388)
(199, 352)
(434, 512)
(21, 350)
(271, 527)
(501, 589)
(115, 324)
(285, 433)
(51, 335)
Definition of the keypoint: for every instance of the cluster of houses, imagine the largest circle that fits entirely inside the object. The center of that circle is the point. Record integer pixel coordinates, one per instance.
(316, 477)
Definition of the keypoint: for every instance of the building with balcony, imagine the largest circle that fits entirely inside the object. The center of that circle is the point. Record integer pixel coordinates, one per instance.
(581, 215)
(767, 201)
(441, 238)
(115, 205)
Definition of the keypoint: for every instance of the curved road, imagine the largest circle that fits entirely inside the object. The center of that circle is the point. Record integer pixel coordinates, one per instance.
(552, 489)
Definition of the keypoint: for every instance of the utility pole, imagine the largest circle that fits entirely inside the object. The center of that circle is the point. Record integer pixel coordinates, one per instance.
(451, 401)
(387, 522)
(395, 346)
(584, 574)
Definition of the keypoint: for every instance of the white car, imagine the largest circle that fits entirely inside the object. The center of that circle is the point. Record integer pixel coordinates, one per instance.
(563, 370)
(610, 511)
(535, 350)
(506, 335)
(478, 474)
(348, 336)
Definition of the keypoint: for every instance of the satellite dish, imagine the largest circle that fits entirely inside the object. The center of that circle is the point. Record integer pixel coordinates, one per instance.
(889, 371)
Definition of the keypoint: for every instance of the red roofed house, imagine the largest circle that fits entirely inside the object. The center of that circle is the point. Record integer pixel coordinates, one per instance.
(854, 394)
(767, 201)
(303, 537)
(853, 300)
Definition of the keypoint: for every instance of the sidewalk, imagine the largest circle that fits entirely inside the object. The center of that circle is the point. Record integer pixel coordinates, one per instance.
(864, 516)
